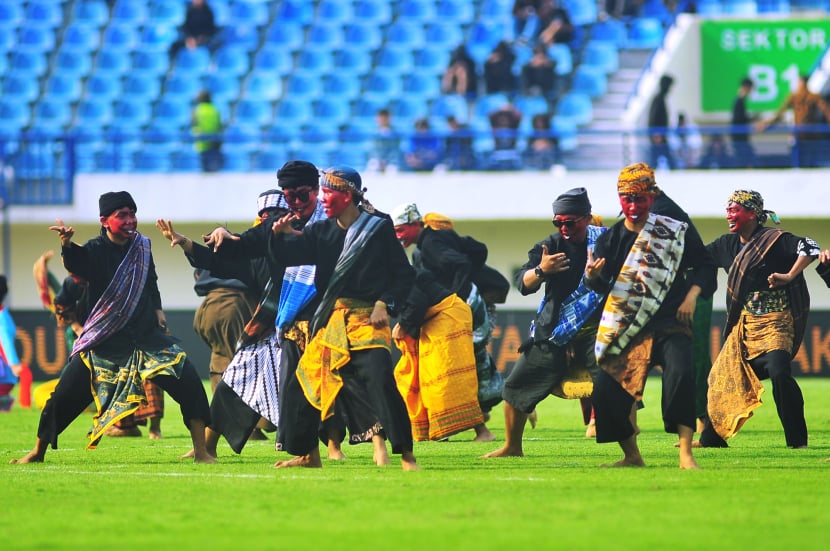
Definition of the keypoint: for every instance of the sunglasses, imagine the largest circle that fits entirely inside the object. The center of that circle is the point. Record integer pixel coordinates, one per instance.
(299, 194)
(570, 223)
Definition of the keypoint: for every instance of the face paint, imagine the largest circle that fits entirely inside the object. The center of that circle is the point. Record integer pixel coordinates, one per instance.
(572, 227)
(302, 200)
(121, 223)
(738, 217)
(335, 202)
(407, 234)
(635, 206)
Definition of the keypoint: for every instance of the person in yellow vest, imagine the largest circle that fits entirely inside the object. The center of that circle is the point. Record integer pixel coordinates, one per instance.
(207, 122)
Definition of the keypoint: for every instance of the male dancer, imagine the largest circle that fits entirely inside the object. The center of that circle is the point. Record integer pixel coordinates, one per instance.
(125, 338)
(647, 316)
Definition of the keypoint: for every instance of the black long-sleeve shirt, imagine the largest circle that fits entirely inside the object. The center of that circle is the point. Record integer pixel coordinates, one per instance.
(452, 259)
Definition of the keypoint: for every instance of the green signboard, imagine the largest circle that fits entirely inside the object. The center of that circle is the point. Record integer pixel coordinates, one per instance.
(773, 53)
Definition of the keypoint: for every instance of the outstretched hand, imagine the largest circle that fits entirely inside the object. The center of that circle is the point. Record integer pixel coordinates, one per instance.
(283, 224)
(65, 233)
(554, 263)
(218, 236)
(166, 229)
(594, 266)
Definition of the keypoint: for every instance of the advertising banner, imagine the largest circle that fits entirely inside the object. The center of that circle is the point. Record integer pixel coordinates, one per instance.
(773, 53)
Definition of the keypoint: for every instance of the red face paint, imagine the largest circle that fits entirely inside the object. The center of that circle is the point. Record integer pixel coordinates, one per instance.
(635, 206)
(572, 227)
(302, 200)
(739, 217)
(335, 202)
(407, 234)
(121, 223)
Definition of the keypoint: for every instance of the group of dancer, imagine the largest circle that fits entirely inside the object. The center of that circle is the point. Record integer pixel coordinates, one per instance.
(315, 355)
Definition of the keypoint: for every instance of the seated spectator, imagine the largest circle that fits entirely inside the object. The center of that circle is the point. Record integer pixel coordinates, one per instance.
(685, 143)
(386, 150)
(459, 153)
(525, 22)
(542, 150)
(716, 155)
(554, 23)
(504, 123)
(460, 76)
(425, 149)
(199, 28)
(498, 70)
(623, 8)
(539, 74)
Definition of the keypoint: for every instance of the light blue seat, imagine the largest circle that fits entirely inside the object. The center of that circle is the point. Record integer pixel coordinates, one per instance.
(195, 62)
(355, 62)
(113, 63)
(140, 87)
(151, 161)
(645, 33)
(495, 10)
(406, 110)
(335, 11)
(589, 80)
(449, 104)
(566, 133)
(488, 103)
(11, 14)
(455, 12)
(602, 55)
(149, 64)
(131, 113)
(746, 8)
(325, 36)
(91, 12)
(372, 11)
(430, 59)
(421, 85)
(295, 11)
(171, 112)
(405, 34)
(34, 164)
(185, 160)
(562, 55)
(8, 39)
(331, 110)
(93, 113)
(362, 35)
(254, 14)
(81, 38)
(349, 156)
(342, 85)
(26, 62)
(222, 89)
(270, 157)
(304, 86)
(253, 113)
(274, 59)
(51, 113)
(416, 10)
(773, 6)
(130, 12)
(20, 87)
(158, 38)
(68, 88)
(240, 139)
(315, 60)
(610, 30)
(44, 13)
(166, 13)
(709, 7)
(261, 85)
(576, 108)
(14, 114)
(531, 105)
(483, 36)
(582, 12)
(231, 61)
(285, 35)
(120, 36)
(381, 85)
(364, 110)
(395, 60)
(443, 35)
(102, 87)
(35, 39)
(658, 9)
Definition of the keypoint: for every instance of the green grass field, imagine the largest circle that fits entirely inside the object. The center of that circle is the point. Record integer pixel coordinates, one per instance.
(135, 494)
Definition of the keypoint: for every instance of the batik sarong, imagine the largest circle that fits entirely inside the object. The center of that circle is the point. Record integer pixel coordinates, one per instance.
(254, 375)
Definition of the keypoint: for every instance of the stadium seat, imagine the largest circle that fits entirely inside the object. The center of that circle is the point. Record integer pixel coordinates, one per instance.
(11, 14)
(93, 113)
(129, 12)
(394, 60)
(531, 105)
(566, 133)
(449, 104)
(120, 36)
(287, 36)
(52, 114)
(35, 39)
(455, 12)
(406, 110)
(20, 87)
(253, 113)
(166, 13)
(658, 9)
(645, 33)
(335, 11)
(262, 85)
(610, 30)
(157, 38)
(91, 12)
(270, 157)
(131, 113)
(274, 59)
(251, 14)
(362, 36)
(582, 12)
(46, 14)
(151, 160)
(487, 103)
(80, 38)
(194, 63)
(589, 80)
(324, 36)
(64, 87)
(331, 110)
(185, 160)
(420, 85)
(294, 11)
(102, 87)
(575, 107)
(140, 87)
(405, 34)
(416, 10)
(431, 59)
(33, 164)
(381, 85)
(315, 60)
(740, 7)
(29, 63)
(222, 89)
(231, 61)
(14, 114)
(365, 110)
(773, 6)
(602, 55)
(304, 87)
(373, 11)
(354, 62)
(443, 35)
(8, 39)
(341, 85)
(562, 55)
(149, 64)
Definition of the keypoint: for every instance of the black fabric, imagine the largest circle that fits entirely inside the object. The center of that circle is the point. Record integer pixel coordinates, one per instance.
(114, 200)
(231, 417)
(298, 174)
(573, 201)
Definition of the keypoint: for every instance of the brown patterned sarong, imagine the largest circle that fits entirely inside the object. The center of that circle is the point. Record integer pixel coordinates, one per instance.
(734, 389)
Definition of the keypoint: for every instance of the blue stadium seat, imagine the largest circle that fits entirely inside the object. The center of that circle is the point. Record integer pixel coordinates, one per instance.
(253, 113)
(47, 14)
(363, 36)
(64, 87)
(130, 12)
(113, 63)
(33, 164)
(394, 60)
(610, 30)
(335, 11)
(453, 11)
(171, 112)
(140, 87)
(349, 156)
(582, 12)
(93, 113)
(354, 62)
(275, 59)
(373, 11)
(14, 114)
(20, 87)
(497, 10)
(270, 157)
(304, 86)
(342, 85)
(147, 160)
(531, 105)
(166, 13)
(603, 55)
(149, 63)
(406, 110)
(562, 55)
(120, 36)
(131, 113)
(416, 10)
(658, 9)
(11, 15)
(231, 61)
(431, 59)
(381, 85)
(8, 39)
(35, 39)
(566, 133)
(709, 7)
(315, 60)
(741, 7)
(589, 80)
(195, 62)
(91, 12)
(288, 36)
(645, 33)
(181, 86)
(575, 107)
(449, 104)
(222, 89)
(325, 36)
(158, 38)
(252, 14)
(421, 85)
(31, 63)
(365, 109)
(102, 87)
(331, 110)
(185, 160)
(262, 85)
(443, 35)
(773, 6)
(80, 38)
(487, 103)
(482, 37)
(405, 34)
(294, 11)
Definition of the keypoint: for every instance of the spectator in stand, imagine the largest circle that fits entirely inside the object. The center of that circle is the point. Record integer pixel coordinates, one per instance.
(505, 124)
(685, 142)
(460, 76)
(525, 22)
(741, 119)
(425, 148)
(206, 121)
(539, 75)
(623, 8)
(658, 126)
(542, 148)
(199, 29)
(386, 150)
(716, 154)
(498, 70)
(554, 23)
(459, 146)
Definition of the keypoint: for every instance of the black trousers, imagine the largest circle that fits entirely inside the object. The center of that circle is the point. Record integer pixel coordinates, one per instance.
(231, 417)
(789, 402)
(612, 403)
(370, 370)
(73, 395)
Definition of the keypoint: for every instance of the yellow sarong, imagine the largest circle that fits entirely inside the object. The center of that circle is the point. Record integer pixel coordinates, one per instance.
(330, 349)
(436, 374)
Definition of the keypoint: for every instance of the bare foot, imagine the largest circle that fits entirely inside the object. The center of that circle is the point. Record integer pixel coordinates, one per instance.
(189, 455)
(591, 430)
(827, 460)
(408, 462)
(689, 463)
(626, 462)
(483, 434)
(380, 455)
(204, 458)
(504, 452)
(309, 461)
(695, 444)
(31, 457)
(155, 435)
(533, 418)
(116, 431)
(336, 455)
